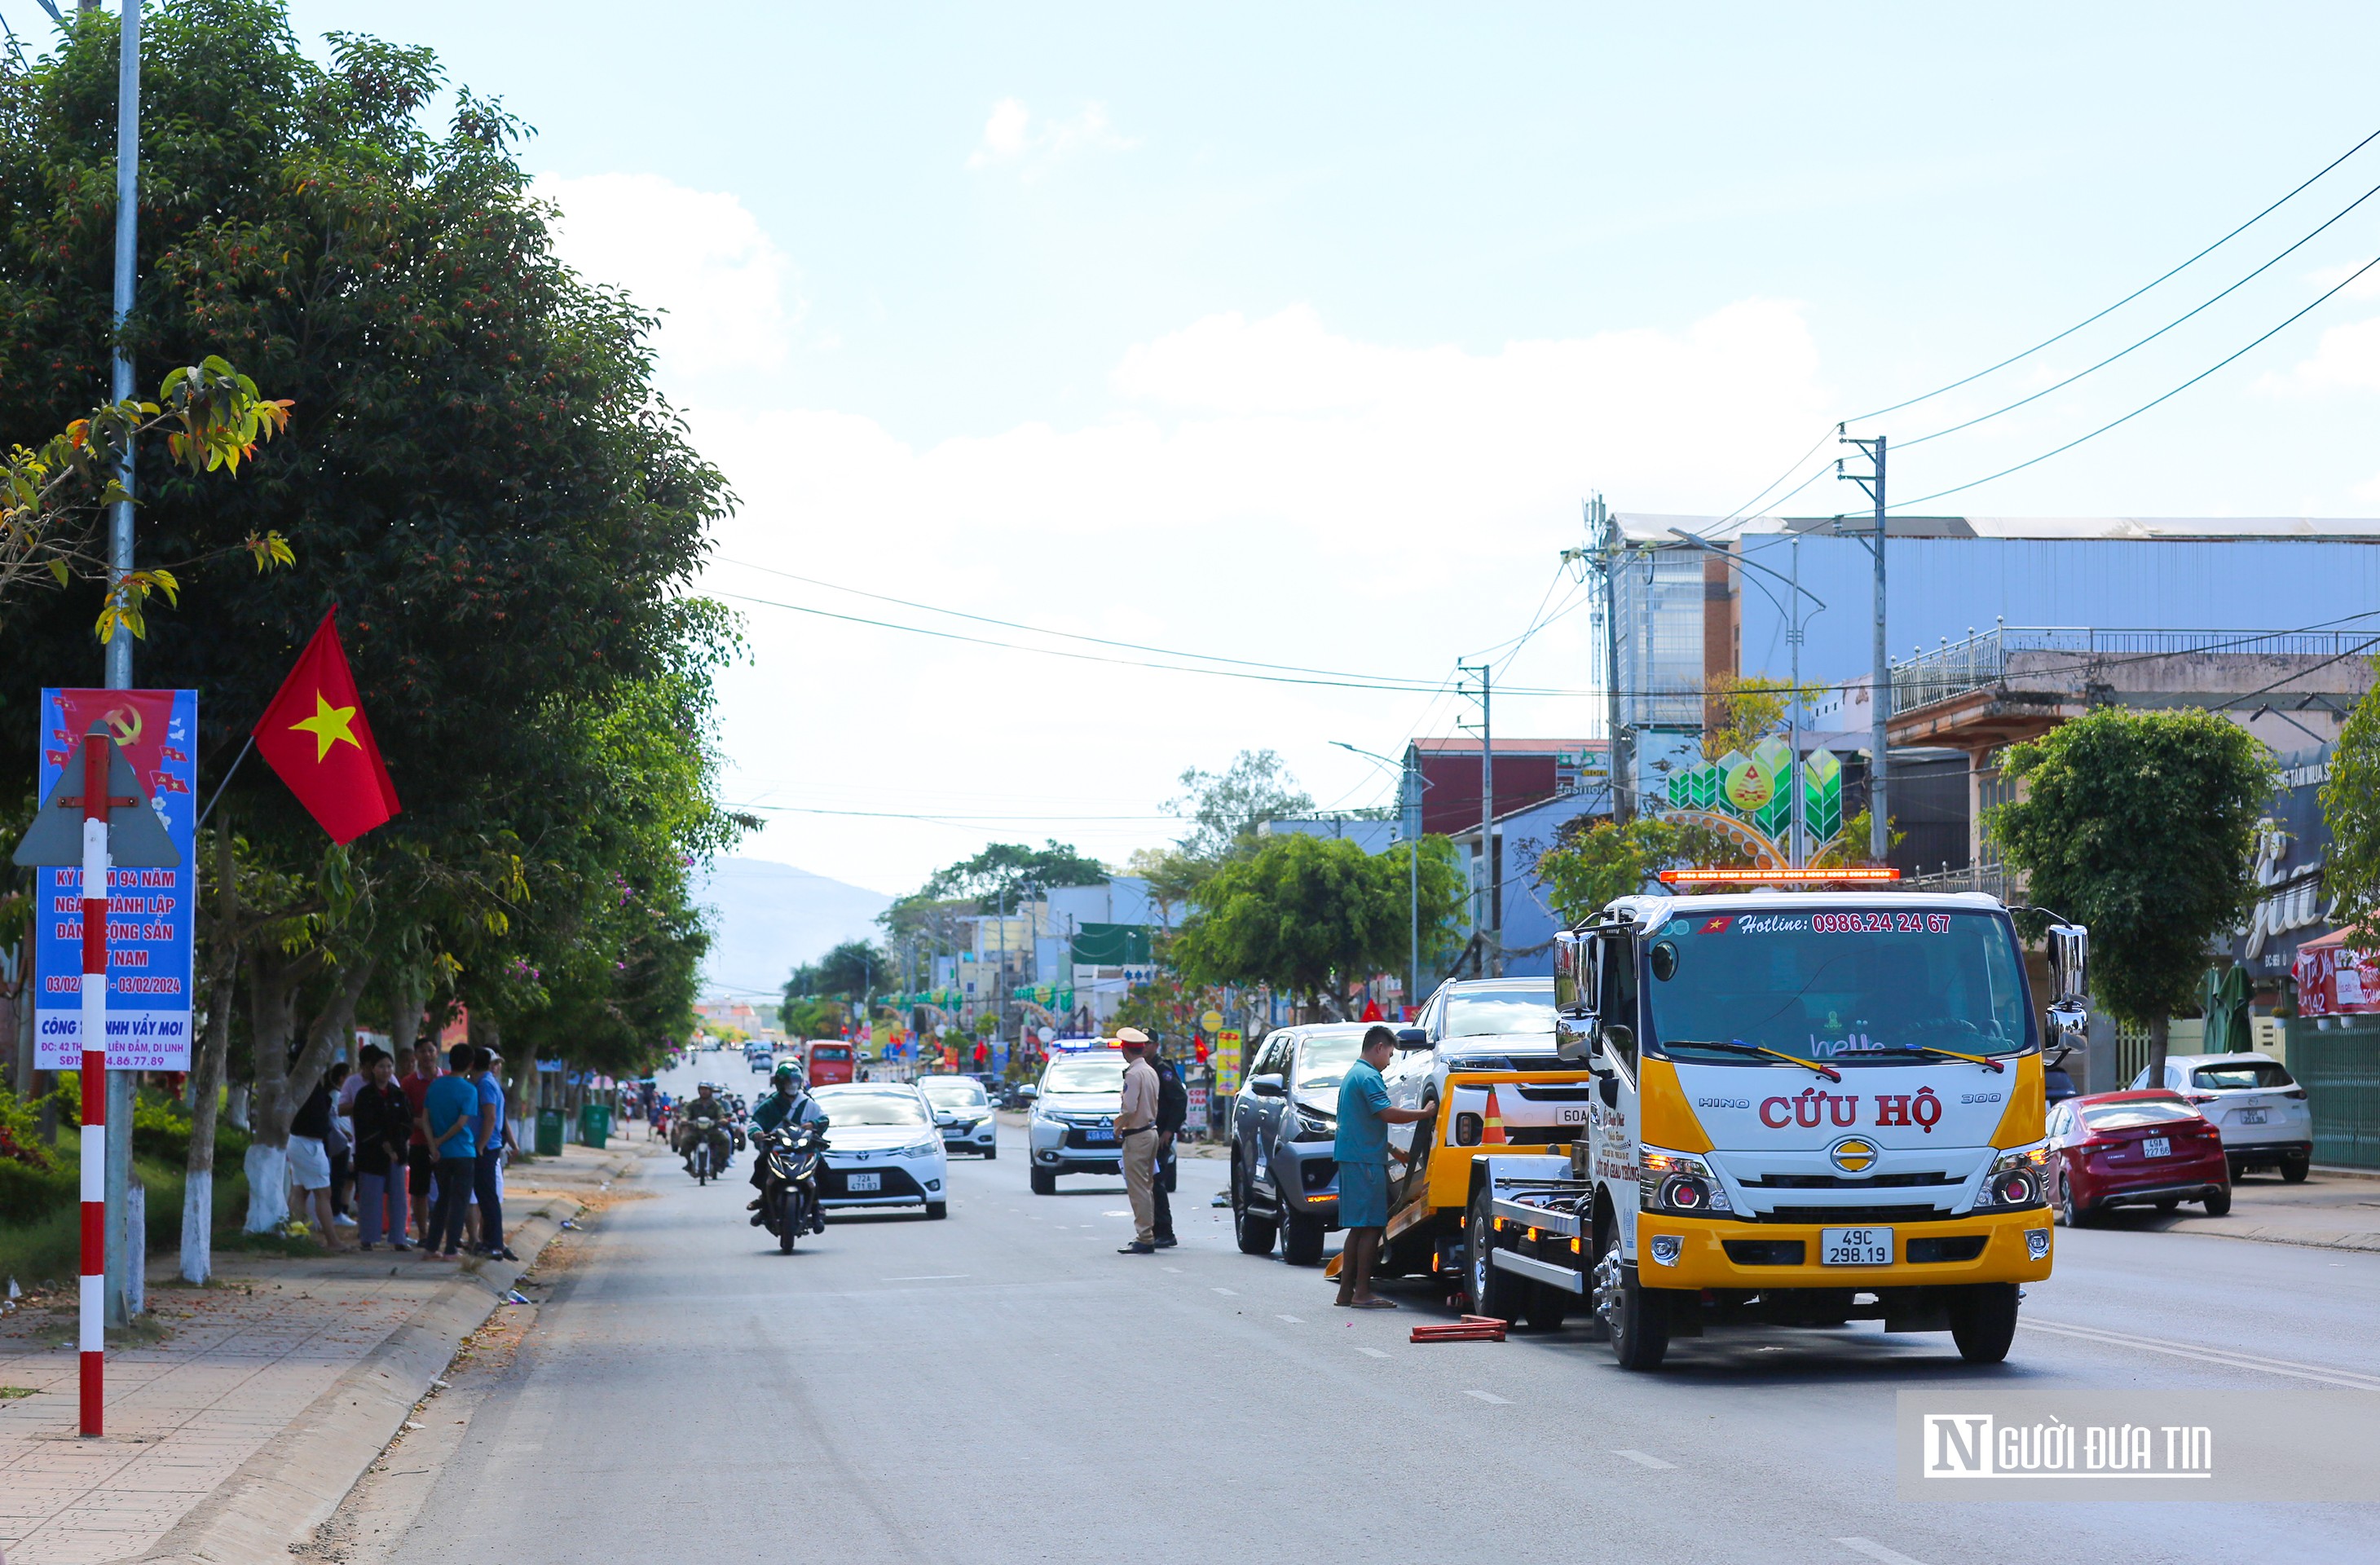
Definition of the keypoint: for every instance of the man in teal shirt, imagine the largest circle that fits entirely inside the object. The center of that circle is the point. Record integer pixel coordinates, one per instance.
(450, 1115)
(1362, 1153)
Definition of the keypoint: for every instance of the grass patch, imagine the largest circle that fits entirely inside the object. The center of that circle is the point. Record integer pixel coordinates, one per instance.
(10, 1393)
(49, 1247)
(276, 1242)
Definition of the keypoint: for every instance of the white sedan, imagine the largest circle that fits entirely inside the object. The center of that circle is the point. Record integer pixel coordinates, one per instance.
(883, 1148)
(963, 1109)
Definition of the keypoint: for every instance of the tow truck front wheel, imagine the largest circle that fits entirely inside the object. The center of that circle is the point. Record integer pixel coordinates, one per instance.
(1493, 1290)
(1636, 1319)
(1983, 1321)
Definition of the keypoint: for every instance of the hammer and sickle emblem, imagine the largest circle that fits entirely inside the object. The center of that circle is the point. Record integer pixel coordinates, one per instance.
(124, 722)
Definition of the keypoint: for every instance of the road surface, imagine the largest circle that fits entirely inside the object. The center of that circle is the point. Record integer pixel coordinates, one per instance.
(1003, 1386)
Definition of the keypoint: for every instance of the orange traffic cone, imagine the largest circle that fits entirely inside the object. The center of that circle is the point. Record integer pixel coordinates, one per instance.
(1493, 1135)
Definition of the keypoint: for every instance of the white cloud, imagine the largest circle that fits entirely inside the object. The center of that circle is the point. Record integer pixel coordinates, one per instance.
(2345, 359)
(1264, 489)
(1011, 136)
(725, 293)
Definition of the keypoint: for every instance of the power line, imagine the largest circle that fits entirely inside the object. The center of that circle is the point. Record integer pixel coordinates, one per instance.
(1040, 630)
(2161, 331)
(1351, 681)
(2144, 406)
(2128, 298)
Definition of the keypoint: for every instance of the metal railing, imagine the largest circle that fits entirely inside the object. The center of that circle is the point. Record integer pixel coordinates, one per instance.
(1982, 658)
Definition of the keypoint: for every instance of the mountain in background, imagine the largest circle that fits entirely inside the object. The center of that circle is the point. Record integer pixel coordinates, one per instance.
(767, 916)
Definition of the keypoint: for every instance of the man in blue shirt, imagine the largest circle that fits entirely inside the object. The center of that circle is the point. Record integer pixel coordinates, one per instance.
(1362, 1153)
(450, 1117)
(487, 1173)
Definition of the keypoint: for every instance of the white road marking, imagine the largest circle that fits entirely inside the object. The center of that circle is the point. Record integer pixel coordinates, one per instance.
(1372, 1352)
(1490, 1396)
(1294, 1320)
(1878, 1552)
(2223, 1357)
(1177, 1271)
(1646, 1459)
(933, 1277)
(1228, 1292)
(1115, 1214)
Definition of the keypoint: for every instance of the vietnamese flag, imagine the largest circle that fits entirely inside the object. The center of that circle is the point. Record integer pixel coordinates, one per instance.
(315, 736)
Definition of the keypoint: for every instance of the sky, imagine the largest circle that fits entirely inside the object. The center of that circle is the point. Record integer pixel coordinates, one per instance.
(1300, 335)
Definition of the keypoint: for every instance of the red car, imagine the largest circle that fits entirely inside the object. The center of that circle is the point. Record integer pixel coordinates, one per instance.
(2134, 1148)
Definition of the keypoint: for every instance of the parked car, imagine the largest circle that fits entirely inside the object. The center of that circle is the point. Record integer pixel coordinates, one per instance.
(881, 1149)
(2253, 1101)
(1484, 1025)
(1284, 1181)
(2134, 1148)
(2056, 1082)
(963, 1113)
(1072, 1128)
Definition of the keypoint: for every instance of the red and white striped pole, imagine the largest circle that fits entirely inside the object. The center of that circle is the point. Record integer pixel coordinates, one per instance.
(95, 1076)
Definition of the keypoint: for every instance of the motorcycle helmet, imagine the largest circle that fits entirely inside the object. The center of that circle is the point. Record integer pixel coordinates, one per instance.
(786, 1073)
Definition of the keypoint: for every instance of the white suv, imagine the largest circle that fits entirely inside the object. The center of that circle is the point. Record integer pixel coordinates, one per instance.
(2252, 1101)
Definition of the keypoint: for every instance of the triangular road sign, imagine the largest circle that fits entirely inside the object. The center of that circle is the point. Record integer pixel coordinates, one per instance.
(136, 838)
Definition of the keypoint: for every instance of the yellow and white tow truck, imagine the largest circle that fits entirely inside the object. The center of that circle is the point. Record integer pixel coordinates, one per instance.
(1803, 1108)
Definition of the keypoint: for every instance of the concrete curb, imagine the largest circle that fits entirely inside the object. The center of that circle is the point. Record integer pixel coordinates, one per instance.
(2311, 1239)
(296, 1481)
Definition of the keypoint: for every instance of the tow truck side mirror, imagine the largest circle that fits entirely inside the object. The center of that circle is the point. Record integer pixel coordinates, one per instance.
(2069, 964)
(1574, 980)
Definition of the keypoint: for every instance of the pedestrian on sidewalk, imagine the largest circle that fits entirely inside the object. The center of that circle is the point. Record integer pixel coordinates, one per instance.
(488, 1173)
(419, 1164)
(310, 1161)
(383, 1134)
(1362, 1153)
(1173, 1109)
(451, 1116)
(1135, 1128)
(338, 1144)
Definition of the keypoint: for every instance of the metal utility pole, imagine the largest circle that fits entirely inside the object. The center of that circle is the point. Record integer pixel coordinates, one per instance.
(1601, 555)
(126, 1250)
(1881, 696)
(1491, 923)
(1410, 783)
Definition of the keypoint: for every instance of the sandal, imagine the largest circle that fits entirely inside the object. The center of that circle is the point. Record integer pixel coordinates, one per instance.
(1373, 1305)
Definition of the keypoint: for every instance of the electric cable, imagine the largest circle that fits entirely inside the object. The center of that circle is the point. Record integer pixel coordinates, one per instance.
(2161, 331)
(2144, 407)
(2128, 298)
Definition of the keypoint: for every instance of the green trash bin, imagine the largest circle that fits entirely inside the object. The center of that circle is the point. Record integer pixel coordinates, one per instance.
(594, 1123)
(549, 1133)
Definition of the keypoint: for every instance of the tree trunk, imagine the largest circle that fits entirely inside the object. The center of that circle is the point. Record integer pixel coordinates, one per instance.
(405, 1027)
(274, 982)
(206, 1076)
(2159, 1026)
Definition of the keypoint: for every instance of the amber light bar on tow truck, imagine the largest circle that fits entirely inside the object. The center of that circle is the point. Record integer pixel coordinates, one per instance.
(1864, 875)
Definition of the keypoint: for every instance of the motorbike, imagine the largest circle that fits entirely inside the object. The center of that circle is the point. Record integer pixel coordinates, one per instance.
(702, 1127)
(789, 1175)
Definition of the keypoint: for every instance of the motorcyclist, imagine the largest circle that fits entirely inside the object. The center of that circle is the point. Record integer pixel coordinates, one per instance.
(705, 1104)
(789, 1103)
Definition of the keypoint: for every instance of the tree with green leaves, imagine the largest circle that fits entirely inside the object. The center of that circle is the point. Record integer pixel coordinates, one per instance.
(2351, 807)
(1224, 809)
(2140, 825)
(482, 475)
(1004, 873)
(1312, 915)
(1593, 861)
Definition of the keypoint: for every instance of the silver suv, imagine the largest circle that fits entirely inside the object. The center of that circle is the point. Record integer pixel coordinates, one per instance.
(1284, 1123)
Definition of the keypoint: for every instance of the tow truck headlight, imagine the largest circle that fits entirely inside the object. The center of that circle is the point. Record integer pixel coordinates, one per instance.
(2018, 1179)
(1673, 1181)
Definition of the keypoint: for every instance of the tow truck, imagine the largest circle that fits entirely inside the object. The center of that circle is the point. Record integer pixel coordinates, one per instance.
(1805, 1107)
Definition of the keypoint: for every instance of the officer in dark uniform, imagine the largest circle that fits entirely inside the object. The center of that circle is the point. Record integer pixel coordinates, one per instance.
(1172, 1107)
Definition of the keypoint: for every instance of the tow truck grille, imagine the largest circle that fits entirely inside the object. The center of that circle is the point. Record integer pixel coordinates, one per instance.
(1839, 1182)
(1840, 1215)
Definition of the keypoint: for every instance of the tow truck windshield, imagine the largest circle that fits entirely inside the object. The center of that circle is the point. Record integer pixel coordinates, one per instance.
(1841, 986)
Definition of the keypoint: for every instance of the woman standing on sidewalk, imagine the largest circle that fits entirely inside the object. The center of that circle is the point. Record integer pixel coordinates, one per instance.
(384, 1119)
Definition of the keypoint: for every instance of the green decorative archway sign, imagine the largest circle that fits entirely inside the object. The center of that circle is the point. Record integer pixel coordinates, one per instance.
(1745, 798)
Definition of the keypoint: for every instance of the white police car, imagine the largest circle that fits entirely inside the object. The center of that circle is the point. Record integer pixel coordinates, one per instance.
(883, 1148)
(1072, 1129)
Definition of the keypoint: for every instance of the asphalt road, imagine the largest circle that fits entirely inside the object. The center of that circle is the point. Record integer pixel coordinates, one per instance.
(1003, 1386)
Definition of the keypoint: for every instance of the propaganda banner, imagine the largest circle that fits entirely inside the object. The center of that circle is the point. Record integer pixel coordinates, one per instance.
(149, 911)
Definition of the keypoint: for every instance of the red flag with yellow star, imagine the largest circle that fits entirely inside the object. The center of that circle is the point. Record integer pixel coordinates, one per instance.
(315, 736)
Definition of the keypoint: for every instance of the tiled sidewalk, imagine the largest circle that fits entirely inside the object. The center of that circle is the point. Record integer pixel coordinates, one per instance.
(183, 1415)
(238, 1363)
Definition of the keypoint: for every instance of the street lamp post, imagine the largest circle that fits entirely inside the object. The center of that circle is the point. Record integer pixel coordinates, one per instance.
(1797, 850)
(1410, 783)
